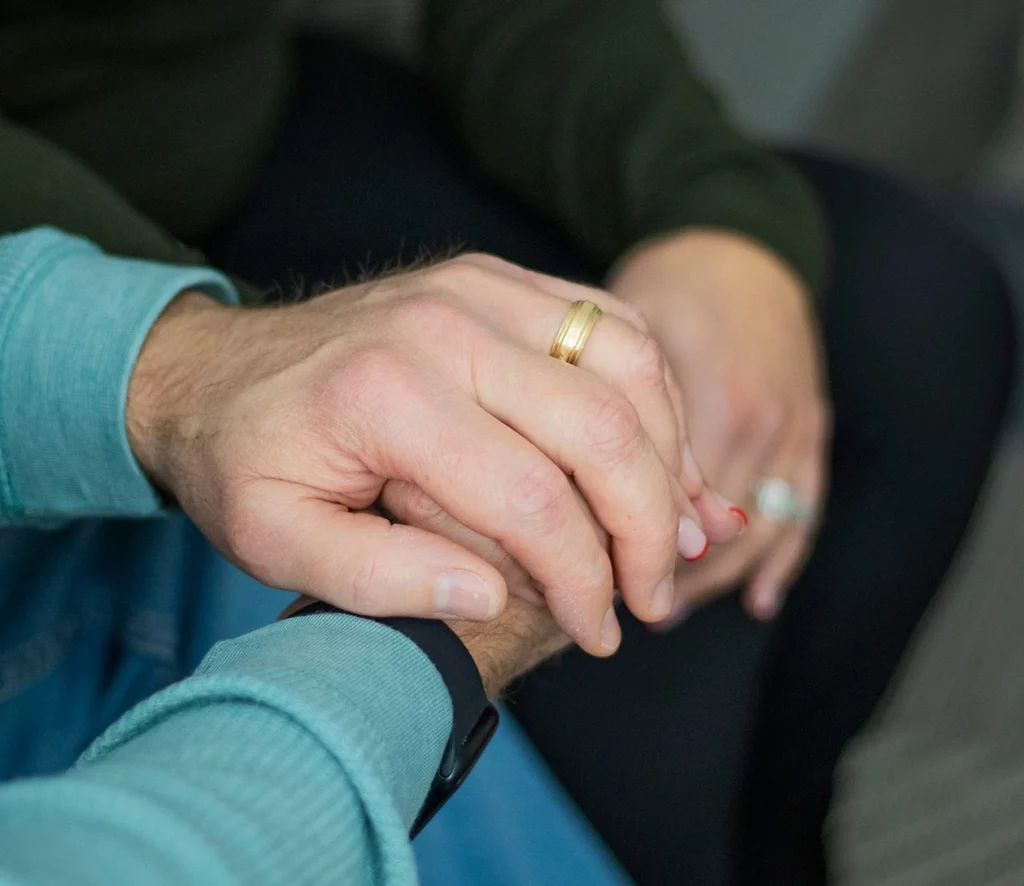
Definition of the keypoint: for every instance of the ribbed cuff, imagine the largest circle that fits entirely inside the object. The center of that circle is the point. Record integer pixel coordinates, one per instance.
(72, 322)
(364, 693)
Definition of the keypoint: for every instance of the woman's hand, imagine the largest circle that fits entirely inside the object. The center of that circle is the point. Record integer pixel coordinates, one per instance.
(276, 429)
(737, 330)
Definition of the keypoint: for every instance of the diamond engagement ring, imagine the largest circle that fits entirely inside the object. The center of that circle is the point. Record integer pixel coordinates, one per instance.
(776, 501)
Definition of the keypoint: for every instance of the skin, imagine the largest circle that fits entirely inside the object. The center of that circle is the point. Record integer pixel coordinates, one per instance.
(276, 430)
(736, 327)
(526, 633)
(522, 637)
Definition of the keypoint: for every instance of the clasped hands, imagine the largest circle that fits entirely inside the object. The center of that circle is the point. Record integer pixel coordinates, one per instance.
(284, 433)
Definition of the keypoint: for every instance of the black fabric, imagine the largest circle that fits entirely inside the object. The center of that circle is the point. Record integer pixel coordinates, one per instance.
(474, 718)
(725, 734)
(704, 756)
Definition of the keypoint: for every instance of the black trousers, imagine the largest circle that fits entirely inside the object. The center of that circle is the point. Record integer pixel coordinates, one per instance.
(705, 756)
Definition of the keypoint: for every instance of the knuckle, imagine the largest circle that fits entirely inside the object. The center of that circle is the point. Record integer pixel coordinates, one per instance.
(370, 378)
(539, 495)
(614, 431)
(635, 317)
(432, 309)
(433, 317)
(654, 551)
(597, 582)
(649, 362)
(369, 366)
(364, 587)
(467, 272)
(589, 588)
(488, 262)
(665, 535)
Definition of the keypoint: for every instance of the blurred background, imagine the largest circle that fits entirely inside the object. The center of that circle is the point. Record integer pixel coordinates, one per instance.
(931, 90)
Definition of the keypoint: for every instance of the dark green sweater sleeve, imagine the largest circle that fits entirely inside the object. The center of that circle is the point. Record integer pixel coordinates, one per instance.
(589, 111)
(41, 184)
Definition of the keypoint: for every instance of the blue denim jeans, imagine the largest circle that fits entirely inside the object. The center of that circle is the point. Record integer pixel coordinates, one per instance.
(98, 615)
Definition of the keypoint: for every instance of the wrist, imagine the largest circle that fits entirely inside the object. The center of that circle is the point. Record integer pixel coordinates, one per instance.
(705, 272)
(520, 639)
(502, 650)
(169, 376)
(700, 247)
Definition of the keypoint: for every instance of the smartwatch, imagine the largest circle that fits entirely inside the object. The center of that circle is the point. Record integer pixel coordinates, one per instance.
(474, 718)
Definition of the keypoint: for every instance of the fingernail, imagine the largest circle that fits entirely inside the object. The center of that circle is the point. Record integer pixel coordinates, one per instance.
(664, 597)
(742, 514)
(611, 633)
(463, 594)
(690, 466)
(731, 507)
(675, 618)
(767, 601)
(693, 543)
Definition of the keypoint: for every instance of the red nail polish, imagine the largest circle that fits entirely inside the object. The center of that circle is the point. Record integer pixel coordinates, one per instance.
(701, 554)
(742, 514)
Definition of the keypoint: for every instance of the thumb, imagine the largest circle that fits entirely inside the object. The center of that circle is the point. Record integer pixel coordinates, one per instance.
(364, 564)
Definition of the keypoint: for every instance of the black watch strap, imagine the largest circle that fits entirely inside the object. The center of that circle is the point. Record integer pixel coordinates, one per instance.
(474, 718)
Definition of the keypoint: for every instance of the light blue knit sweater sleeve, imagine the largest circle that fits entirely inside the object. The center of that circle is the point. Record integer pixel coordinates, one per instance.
(72, 322)
(298, 754)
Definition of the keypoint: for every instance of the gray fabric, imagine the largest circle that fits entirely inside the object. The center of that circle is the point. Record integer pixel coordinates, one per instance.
(923, 90)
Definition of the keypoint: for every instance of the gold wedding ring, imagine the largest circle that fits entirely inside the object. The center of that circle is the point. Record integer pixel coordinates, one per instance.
(575, 330)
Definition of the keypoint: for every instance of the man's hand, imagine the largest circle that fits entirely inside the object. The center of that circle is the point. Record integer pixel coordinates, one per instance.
(525, 634)
(736, 327)
(519, 639)
(276, 429)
